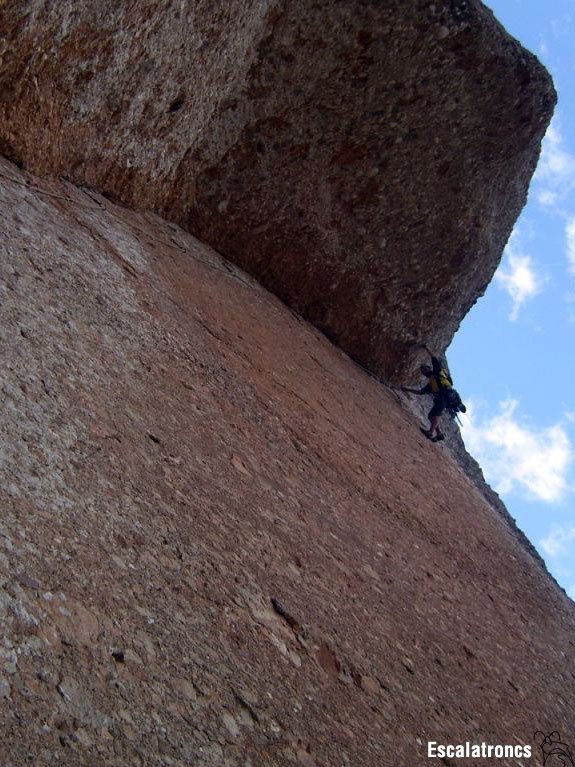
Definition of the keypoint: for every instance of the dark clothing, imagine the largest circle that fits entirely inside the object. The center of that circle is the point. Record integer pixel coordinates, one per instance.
(436, 365)
(439, 404)
(433, 387)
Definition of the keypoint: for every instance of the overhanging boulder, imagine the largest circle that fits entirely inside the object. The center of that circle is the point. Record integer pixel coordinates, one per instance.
(364, 160)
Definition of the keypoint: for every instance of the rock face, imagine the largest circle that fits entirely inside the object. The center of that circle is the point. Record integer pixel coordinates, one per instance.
(419, 407)
(365, 160)
(221, 542)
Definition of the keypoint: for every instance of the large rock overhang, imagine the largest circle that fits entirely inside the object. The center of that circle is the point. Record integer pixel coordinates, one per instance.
(366, 161)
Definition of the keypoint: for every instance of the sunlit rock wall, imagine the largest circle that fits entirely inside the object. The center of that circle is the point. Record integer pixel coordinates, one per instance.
(221, 543)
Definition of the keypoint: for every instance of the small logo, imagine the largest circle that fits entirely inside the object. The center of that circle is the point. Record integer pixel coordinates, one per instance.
(555, 753)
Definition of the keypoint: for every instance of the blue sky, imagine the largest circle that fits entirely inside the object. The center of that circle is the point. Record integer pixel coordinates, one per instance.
(513, 358)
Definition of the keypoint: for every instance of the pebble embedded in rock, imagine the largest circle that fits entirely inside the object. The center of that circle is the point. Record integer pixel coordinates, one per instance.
(230, 724)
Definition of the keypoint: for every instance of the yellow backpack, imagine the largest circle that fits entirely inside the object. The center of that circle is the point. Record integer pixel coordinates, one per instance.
(441, 381)
(445, 381)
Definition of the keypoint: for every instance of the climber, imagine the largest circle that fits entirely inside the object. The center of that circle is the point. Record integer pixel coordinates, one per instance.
(440, 385)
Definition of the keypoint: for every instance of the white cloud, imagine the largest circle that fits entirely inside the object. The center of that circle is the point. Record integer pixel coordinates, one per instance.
(558, 541)
(517, 276)
(514, 455)
(570, 237)
(547, 198)
(555, 173)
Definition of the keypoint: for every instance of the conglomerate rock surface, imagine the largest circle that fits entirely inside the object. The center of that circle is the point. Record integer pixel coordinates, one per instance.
(221, 542)
(364, 160)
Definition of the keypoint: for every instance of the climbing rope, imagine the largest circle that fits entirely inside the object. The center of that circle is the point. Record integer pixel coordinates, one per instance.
(32, 187)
